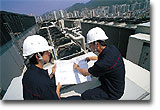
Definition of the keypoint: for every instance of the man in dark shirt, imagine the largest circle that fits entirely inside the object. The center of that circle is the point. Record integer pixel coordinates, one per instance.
(109, 68)
(37, 83)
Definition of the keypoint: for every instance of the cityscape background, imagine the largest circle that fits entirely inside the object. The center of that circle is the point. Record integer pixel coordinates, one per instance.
(59, 9)
(102, 8)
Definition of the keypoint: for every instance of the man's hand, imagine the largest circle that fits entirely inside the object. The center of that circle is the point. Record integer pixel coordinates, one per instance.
(84, 72)
(91, 58)
(59, 86)
(75, 66)
(58, 90)
(54, 69)
(87, 59)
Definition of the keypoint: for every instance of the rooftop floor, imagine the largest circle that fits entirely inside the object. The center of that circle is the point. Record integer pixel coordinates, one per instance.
(137, 85)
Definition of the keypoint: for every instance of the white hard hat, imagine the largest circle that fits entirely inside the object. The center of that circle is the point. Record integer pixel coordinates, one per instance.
(34, 44)
(96, 34)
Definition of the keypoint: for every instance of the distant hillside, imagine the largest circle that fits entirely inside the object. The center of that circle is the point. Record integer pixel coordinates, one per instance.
(95, 3)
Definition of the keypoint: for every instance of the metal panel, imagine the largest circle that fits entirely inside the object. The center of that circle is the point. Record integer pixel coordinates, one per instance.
(144, 60)
(134, 50)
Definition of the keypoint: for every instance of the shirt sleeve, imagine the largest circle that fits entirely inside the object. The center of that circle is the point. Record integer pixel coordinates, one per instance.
(95, 70)
(98, 69)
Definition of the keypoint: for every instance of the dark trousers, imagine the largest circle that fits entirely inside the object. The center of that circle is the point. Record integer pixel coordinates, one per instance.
(95, 94)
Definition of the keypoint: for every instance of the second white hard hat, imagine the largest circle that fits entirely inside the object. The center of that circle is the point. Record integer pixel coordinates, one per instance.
(34, 44)
(96, 34)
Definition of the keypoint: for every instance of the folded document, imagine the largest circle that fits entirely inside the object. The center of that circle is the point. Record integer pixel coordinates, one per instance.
(65, 74)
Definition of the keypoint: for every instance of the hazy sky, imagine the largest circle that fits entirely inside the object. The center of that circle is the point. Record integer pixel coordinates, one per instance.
(37, 7)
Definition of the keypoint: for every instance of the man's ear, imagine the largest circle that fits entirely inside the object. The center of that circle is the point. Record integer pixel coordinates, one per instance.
(97, 43)
(36, 55)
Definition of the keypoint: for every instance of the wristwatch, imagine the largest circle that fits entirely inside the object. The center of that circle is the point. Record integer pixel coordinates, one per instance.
(52, 73)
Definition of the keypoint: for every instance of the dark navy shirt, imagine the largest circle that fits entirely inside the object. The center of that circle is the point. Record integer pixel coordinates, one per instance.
(111, 71)
(38, 85)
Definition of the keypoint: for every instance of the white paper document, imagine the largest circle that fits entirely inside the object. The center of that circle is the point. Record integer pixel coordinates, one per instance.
(65, 74)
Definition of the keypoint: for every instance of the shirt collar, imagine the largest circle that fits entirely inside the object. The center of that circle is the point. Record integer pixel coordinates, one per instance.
(37, 68)
(103, 52)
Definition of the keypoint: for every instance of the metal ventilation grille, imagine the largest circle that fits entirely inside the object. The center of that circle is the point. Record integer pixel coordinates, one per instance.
(68, 50)
(61, 41)
(65, 46)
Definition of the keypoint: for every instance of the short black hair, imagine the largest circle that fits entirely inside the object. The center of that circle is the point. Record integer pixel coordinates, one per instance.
(33, 59)
(102, 43)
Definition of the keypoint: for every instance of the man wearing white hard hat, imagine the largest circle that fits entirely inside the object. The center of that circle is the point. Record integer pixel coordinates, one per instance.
(109, 68)
(37, 84)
